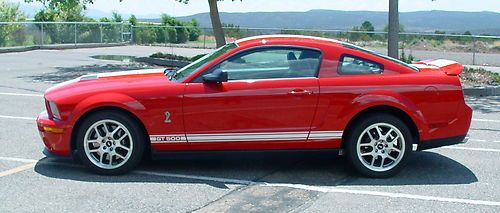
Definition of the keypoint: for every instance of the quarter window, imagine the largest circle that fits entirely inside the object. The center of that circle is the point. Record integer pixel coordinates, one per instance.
(352, 65)
(270, 63)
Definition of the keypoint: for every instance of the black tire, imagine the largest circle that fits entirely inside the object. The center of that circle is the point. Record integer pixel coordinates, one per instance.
(136, 141)
(359, 162)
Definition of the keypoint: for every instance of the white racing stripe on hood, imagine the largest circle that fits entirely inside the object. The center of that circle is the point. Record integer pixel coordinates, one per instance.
(121, 73)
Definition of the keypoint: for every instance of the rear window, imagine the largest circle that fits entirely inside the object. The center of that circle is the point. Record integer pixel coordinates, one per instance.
(354, 47)
(353, 65)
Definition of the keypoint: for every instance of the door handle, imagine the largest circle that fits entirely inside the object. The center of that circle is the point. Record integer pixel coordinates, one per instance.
(300, 92)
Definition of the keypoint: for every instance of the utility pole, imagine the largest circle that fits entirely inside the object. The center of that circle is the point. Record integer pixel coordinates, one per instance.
(393, 36)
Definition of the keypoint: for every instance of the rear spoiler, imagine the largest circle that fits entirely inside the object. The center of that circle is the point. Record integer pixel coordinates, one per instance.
(449, 67)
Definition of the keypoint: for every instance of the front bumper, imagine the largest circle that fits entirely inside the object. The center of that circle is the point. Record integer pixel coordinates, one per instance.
(56, 135)
(443, 142)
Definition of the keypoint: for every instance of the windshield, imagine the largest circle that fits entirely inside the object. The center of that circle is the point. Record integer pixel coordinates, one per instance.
(379, 55)
(194, 66)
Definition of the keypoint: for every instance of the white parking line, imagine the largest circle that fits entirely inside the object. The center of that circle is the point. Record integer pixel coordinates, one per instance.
(326, 189)
(23, 160)
(486, 120)
(21, 94)
(388, 194)
(17, 169)
(482, 140)
(471, 149)
(196, 177)
(17, 117)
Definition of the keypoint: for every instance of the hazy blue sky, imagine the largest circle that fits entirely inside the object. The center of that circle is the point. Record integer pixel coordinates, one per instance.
(155, 7)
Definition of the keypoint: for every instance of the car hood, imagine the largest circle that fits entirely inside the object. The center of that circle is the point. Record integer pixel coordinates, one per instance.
(123, 74)
(109, 82)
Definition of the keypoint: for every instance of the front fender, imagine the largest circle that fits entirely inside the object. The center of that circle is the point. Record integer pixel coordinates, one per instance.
(107, 100)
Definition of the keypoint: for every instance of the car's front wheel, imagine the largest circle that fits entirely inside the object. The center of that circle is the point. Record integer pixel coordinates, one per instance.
(379, 145)
(110, 143)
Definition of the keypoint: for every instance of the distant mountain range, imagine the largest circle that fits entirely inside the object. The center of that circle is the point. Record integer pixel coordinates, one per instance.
(421, 21)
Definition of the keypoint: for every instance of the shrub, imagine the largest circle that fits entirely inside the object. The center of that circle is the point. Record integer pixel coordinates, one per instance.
(169, 56)
(182, 35)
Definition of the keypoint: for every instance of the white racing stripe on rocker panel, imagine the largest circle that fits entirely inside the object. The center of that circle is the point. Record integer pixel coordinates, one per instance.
(258, 136)
(268, 136)
(325, 135)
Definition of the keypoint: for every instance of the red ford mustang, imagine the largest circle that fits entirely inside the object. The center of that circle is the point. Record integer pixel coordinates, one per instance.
(262, 93)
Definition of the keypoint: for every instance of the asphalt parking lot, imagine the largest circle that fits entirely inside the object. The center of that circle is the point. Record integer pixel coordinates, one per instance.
(462, 178)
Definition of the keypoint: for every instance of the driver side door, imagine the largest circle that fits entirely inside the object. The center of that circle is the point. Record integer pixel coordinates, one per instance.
(270, 97)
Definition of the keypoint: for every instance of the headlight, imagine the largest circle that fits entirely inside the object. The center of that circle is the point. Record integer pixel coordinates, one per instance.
(54, 110)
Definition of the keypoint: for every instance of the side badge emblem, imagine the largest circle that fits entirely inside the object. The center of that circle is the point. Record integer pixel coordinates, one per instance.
(167, 117)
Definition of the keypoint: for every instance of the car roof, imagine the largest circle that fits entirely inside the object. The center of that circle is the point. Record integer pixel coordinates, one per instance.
(285, 37)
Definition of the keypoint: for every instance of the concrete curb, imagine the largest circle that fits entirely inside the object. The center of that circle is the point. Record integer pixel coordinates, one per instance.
(58, 47)
(179, 46)
(482, 91)
(163, 62)
(18, 49)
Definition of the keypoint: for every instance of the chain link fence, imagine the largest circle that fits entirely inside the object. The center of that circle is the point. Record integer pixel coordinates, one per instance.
(467, 49)
(16, 34)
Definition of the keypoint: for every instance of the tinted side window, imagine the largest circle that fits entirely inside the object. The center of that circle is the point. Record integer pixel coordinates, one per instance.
(269, 63)
(352, 65)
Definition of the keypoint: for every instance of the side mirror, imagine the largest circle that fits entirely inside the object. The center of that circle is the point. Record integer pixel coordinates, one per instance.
(215, 77)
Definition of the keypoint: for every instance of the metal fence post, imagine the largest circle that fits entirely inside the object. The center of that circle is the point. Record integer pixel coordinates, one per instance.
(75, 35)
(166, 36)
(121, 32)
(42, 37)
(100, 32)
(204, 39)
(132, 33)
(474, 40)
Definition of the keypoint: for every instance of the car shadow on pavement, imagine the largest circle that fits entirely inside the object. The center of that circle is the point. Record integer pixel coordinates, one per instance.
(68, 73)
(424, 168)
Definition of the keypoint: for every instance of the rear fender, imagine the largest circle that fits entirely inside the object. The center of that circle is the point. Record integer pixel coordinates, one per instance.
(384, 98)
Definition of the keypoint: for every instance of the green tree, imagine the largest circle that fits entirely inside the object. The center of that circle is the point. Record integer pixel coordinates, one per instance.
(11, 33)
(60, 10)
(132, 20)
(64, 10)
(181, 33)
(193, 30)
(104, 19)
(117, 17)
(367, 26)
(62, 4)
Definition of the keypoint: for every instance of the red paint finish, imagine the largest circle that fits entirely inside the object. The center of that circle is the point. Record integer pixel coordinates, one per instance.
(275, 105)
(286, 113)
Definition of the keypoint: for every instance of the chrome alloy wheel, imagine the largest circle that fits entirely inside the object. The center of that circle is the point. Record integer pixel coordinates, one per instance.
(108, 144)
(380, 147)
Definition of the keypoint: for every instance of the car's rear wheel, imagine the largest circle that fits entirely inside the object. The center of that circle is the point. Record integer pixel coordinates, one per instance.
(110, 143)
(379, 145)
